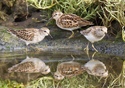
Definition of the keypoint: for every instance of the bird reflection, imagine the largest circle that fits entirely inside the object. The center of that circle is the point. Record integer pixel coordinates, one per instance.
(30, 65)
(96, 67)
(68, 69)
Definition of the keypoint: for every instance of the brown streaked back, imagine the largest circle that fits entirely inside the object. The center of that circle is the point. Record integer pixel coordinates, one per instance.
(70, 69)
(27, 67)
(85, 32)
(25, 34)
(72, 20)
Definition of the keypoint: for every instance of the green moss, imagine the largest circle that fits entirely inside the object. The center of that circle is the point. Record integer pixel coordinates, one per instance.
(81, 81)
(107, 11)
(10, 84)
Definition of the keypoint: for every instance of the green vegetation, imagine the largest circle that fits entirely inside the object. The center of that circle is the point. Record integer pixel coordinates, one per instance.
(81, 81)
(10, 84)
(84, 9)
(93, 10)
(3, 11)
(123, 33)
(100, 12)
(119, 81)
(42, 4)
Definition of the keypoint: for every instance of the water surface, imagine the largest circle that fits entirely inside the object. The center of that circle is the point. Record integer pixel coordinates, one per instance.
(53, 58)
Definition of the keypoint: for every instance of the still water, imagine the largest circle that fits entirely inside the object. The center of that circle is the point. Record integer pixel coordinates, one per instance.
(57, 60)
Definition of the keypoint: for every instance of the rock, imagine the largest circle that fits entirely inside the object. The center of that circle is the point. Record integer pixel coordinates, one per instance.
(1, 47)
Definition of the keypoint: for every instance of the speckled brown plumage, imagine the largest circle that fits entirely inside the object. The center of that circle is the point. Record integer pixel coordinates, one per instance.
(30, 65)
(68, 21)
(24, 67)
(25, 34)
(72, 20)
(70, 69)
(31, 35)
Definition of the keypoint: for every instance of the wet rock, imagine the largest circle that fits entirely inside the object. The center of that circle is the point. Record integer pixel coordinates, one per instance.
(60, 42)
(1, 47)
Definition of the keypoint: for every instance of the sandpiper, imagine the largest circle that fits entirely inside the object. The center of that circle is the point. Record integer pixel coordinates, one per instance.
(68, 69)
(68, 21)
(30, 65)
(96, 67)
(94, 34)
(30, 35)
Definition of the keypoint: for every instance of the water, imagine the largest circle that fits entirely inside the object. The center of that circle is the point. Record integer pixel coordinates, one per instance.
(53, 58)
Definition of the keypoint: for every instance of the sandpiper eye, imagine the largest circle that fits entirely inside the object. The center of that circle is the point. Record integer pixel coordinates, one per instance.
(55, 14)
(56, 75)
(101, 30)
(46, 70)
(44, 31)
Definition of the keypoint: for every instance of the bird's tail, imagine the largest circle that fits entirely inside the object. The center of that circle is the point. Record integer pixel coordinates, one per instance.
(12, 31)
(11, 69)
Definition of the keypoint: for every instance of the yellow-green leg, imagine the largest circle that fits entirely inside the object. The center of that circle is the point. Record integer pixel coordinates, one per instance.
(26, 48)
(76, 32)
(87, 50)
(94, 48)
(87, 47)
(36, 48)
(72, 57)
(93, 54)
(71, 35)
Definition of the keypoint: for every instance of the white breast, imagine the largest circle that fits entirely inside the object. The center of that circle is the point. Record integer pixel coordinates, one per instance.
(91, 64)
(37, 38)
(92, 38)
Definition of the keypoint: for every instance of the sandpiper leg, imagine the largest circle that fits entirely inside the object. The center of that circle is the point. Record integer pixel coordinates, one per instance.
(71, 35)
(72, 57)
(26, 48)
(76, 32)
(87, 47)
(94, 48)
(87, 50)
(39, 49)
(93, 54)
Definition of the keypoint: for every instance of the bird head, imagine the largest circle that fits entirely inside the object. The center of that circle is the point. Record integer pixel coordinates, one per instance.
(56, 15)
(101, 72)
(104, 29)
(45, 70)
(58, 76)
(45, 31)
